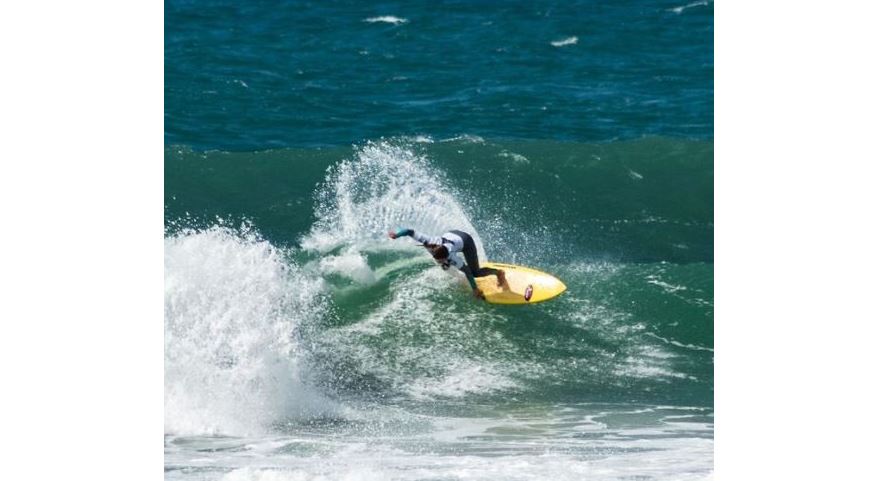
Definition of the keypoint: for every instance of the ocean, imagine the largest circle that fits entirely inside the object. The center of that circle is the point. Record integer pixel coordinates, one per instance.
(303, 344)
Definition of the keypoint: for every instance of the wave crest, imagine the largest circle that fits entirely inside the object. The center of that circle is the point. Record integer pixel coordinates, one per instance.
(384, 186)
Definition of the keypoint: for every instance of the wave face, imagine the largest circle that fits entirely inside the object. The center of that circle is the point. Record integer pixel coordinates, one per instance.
(647, 200)
(301, 343)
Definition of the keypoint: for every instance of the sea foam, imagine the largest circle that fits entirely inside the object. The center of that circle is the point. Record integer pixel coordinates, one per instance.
(383, 187)
(233, 307)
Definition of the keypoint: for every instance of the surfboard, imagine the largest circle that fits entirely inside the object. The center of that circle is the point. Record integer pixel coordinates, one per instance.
(526, 285)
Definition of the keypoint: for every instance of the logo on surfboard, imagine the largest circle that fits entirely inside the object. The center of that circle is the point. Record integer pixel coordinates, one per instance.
(529, 291)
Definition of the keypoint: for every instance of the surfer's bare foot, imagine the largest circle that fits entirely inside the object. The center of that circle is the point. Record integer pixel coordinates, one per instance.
(501, 280)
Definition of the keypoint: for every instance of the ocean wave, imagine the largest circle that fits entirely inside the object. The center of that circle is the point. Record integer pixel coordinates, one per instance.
(372, 319)
(384, 187)
(233, 306)
(386, 19)
(679, 10)
(564, 42)
(567, 442)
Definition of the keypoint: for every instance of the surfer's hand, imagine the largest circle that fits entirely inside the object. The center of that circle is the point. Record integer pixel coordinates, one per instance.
(478, 293)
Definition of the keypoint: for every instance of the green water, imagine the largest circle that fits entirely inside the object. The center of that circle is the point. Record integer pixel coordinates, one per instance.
(627, 226)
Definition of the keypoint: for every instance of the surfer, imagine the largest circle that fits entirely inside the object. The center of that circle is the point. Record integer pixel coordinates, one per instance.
(443, 250)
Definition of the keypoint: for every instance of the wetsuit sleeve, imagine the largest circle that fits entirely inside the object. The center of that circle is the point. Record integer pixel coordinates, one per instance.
(403, 231)
(423, 238)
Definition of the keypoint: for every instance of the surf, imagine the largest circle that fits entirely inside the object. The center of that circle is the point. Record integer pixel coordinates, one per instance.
(233, 312)
(369, 321)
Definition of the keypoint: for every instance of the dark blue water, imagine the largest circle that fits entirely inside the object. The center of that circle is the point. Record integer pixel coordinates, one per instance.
(268, 74)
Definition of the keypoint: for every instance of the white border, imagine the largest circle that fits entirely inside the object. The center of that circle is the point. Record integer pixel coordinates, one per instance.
(82, 181)
(798, 264)
(798, 249)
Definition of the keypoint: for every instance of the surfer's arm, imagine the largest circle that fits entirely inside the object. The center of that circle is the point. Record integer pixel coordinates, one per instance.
(400, 232)
(420, 237)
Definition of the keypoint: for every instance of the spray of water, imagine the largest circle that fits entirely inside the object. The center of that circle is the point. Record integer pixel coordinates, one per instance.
(233, 307)
(384, 186)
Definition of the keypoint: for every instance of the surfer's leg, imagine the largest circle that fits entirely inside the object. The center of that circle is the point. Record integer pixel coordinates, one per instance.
(488, 271)
(472, 258)
(485, 271)
(470, 255)
(501, 277)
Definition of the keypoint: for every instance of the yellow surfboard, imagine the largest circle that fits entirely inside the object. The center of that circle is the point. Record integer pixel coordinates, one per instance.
(525, 285)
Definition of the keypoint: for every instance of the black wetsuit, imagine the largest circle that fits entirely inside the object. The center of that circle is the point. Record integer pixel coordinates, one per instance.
(455, 241)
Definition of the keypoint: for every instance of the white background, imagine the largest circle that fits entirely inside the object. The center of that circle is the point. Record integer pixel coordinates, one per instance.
(798, 247)
(798, 240)
(81, 192)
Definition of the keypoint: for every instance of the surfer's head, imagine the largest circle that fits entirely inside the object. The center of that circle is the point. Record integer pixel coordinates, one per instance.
(440, 253)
